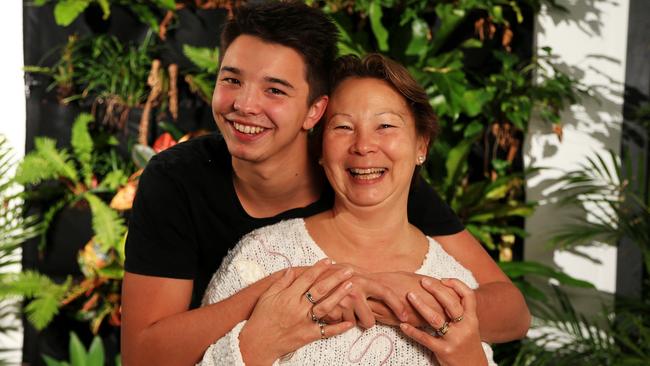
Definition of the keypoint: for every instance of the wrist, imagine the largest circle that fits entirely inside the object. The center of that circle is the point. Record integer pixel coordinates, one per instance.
(253, 352)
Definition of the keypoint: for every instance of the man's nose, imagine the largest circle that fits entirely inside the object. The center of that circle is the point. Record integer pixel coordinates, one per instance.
(247, 101)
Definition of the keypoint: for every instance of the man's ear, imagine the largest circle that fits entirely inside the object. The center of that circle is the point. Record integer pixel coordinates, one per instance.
(316, 111)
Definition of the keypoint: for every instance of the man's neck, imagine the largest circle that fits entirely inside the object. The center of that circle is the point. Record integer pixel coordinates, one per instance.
(278, 184)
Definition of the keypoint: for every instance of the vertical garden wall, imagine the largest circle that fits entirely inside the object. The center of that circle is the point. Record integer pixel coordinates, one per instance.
(112, 82)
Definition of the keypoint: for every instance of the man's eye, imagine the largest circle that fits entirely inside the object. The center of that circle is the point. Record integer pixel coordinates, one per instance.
(342, 127)
(386, 125)
(276, 91)
(230, 81)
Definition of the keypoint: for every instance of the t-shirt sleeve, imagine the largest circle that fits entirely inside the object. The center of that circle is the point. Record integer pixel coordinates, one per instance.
(161, 241)
(429, 213)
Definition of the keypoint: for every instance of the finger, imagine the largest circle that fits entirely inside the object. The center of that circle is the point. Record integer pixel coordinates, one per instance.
(365, 317)
(467, 295)
(448, 298)
(281, 283)
(334, 316)
(321, 288)
(326, 305)
(421, 337)
(348, 310)
(435, 319)
(307, 278)
(330, 330)
(388, 297)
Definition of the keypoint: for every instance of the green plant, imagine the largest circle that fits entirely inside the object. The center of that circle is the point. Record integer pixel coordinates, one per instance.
(66, 11)
(102, 259)
(206, 61)
(79, 356)
(62, 73)
(567, 337)
(15, 228)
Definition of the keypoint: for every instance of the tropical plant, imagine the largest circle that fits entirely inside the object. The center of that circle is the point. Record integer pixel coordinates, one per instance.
(566, 337)
(66, 11)
(102, 259)
(79, 356)
(15, 228)
(206, 62)
(62, 72)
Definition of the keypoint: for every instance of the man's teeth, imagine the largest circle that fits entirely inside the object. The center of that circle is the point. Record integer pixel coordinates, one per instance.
(251, 130)
(367, 173)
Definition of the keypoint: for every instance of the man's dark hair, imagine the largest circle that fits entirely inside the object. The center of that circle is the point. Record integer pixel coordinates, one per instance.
(292, 24)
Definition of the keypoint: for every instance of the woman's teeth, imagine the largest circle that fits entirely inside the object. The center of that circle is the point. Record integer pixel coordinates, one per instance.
(251, 130)
(367, 173)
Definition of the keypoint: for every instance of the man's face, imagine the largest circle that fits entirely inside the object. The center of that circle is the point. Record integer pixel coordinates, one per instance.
(260, 100)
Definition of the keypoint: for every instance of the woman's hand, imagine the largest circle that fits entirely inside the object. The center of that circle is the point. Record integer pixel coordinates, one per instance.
(367, 300)
(281, 321)
(457, 341)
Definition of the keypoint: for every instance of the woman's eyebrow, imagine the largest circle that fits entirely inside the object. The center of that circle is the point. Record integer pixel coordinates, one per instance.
(398, 114)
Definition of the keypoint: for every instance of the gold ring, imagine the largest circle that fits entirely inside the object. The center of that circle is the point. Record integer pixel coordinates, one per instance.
(314, 318)
(456, 320)
(442, 330)
(310, 298)
(322, 330)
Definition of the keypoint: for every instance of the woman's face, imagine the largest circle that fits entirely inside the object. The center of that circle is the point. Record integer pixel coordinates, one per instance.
(370, 144)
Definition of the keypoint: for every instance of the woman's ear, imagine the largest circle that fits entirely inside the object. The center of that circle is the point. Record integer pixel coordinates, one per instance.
(422, 146)
(316, 111)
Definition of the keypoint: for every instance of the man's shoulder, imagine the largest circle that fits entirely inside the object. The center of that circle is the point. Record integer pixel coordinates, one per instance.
(200, 151)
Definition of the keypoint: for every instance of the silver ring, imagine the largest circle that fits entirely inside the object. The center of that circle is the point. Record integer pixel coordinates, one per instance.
(310, 298)
(322, 330)
(442, 330)
(456, 320)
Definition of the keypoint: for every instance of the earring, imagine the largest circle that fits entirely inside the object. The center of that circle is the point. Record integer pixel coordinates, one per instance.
(421, 159)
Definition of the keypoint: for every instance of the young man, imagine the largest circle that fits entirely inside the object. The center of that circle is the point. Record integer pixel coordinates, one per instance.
(197, 199)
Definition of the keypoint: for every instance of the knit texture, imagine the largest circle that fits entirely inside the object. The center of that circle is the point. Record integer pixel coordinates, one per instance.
(288, 244)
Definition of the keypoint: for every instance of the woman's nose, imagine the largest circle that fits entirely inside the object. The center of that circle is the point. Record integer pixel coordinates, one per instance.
(364, 143)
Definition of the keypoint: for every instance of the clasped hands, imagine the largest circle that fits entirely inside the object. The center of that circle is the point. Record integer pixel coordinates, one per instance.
(344, 296)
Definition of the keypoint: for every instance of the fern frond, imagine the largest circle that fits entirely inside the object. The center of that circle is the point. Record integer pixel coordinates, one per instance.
(107, 224)
(82, 145)
(46, 294)
(114, 180)
(46, 162)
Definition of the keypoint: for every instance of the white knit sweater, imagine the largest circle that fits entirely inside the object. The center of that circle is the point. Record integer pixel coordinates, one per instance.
(272, 248)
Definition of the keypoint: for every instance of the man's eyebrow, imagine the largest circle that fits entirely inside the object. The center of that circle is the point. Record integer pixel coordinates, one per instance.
(231, 69)
(271, 79)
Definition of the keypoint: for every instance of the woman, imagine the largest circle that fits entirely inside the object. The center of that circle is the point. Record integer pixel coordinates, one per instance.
(376, 132)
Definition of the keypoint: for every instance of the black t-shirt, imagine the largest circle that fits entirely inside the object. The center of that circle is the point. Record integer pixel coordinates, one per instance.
(186, 214)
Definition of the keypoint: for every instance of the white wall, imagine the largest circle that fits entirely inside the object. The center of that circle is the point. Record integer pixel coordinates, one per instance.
(591, 44)
(12, 124)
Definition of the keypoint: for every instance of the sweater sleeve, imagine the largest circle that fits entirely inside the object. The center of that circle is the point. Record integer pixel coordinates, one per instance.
(245, 264)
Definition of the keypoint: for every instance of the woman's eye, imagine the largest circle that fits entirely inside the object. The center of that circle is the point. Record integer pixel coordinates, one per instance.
(342, 127)
(386, 125)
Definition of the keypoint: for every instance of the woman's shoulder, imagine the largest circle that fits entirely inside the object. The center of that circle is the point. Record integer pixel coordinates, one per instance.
(440, 264)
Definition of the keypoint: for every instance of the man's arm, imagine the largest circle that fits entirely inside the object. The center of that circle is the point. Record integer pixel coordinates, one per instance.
(158, 329)
(502, 311)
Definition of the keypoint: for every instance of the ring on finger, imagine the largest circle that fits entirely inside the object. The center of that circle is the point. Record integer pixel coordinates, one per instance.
(456, 320)
(442, 330)
(310, 298)
(314, 318)
(321, 325)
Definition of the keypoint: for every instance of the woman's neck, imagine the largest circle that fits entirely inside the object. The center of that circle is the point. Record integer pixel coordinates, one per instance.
(374, 238)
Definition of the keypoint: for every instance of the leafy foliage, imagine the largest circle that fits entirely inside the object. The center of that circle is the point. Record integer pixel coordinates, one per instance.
(567, 337)
(206, 61)
(79, 356)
